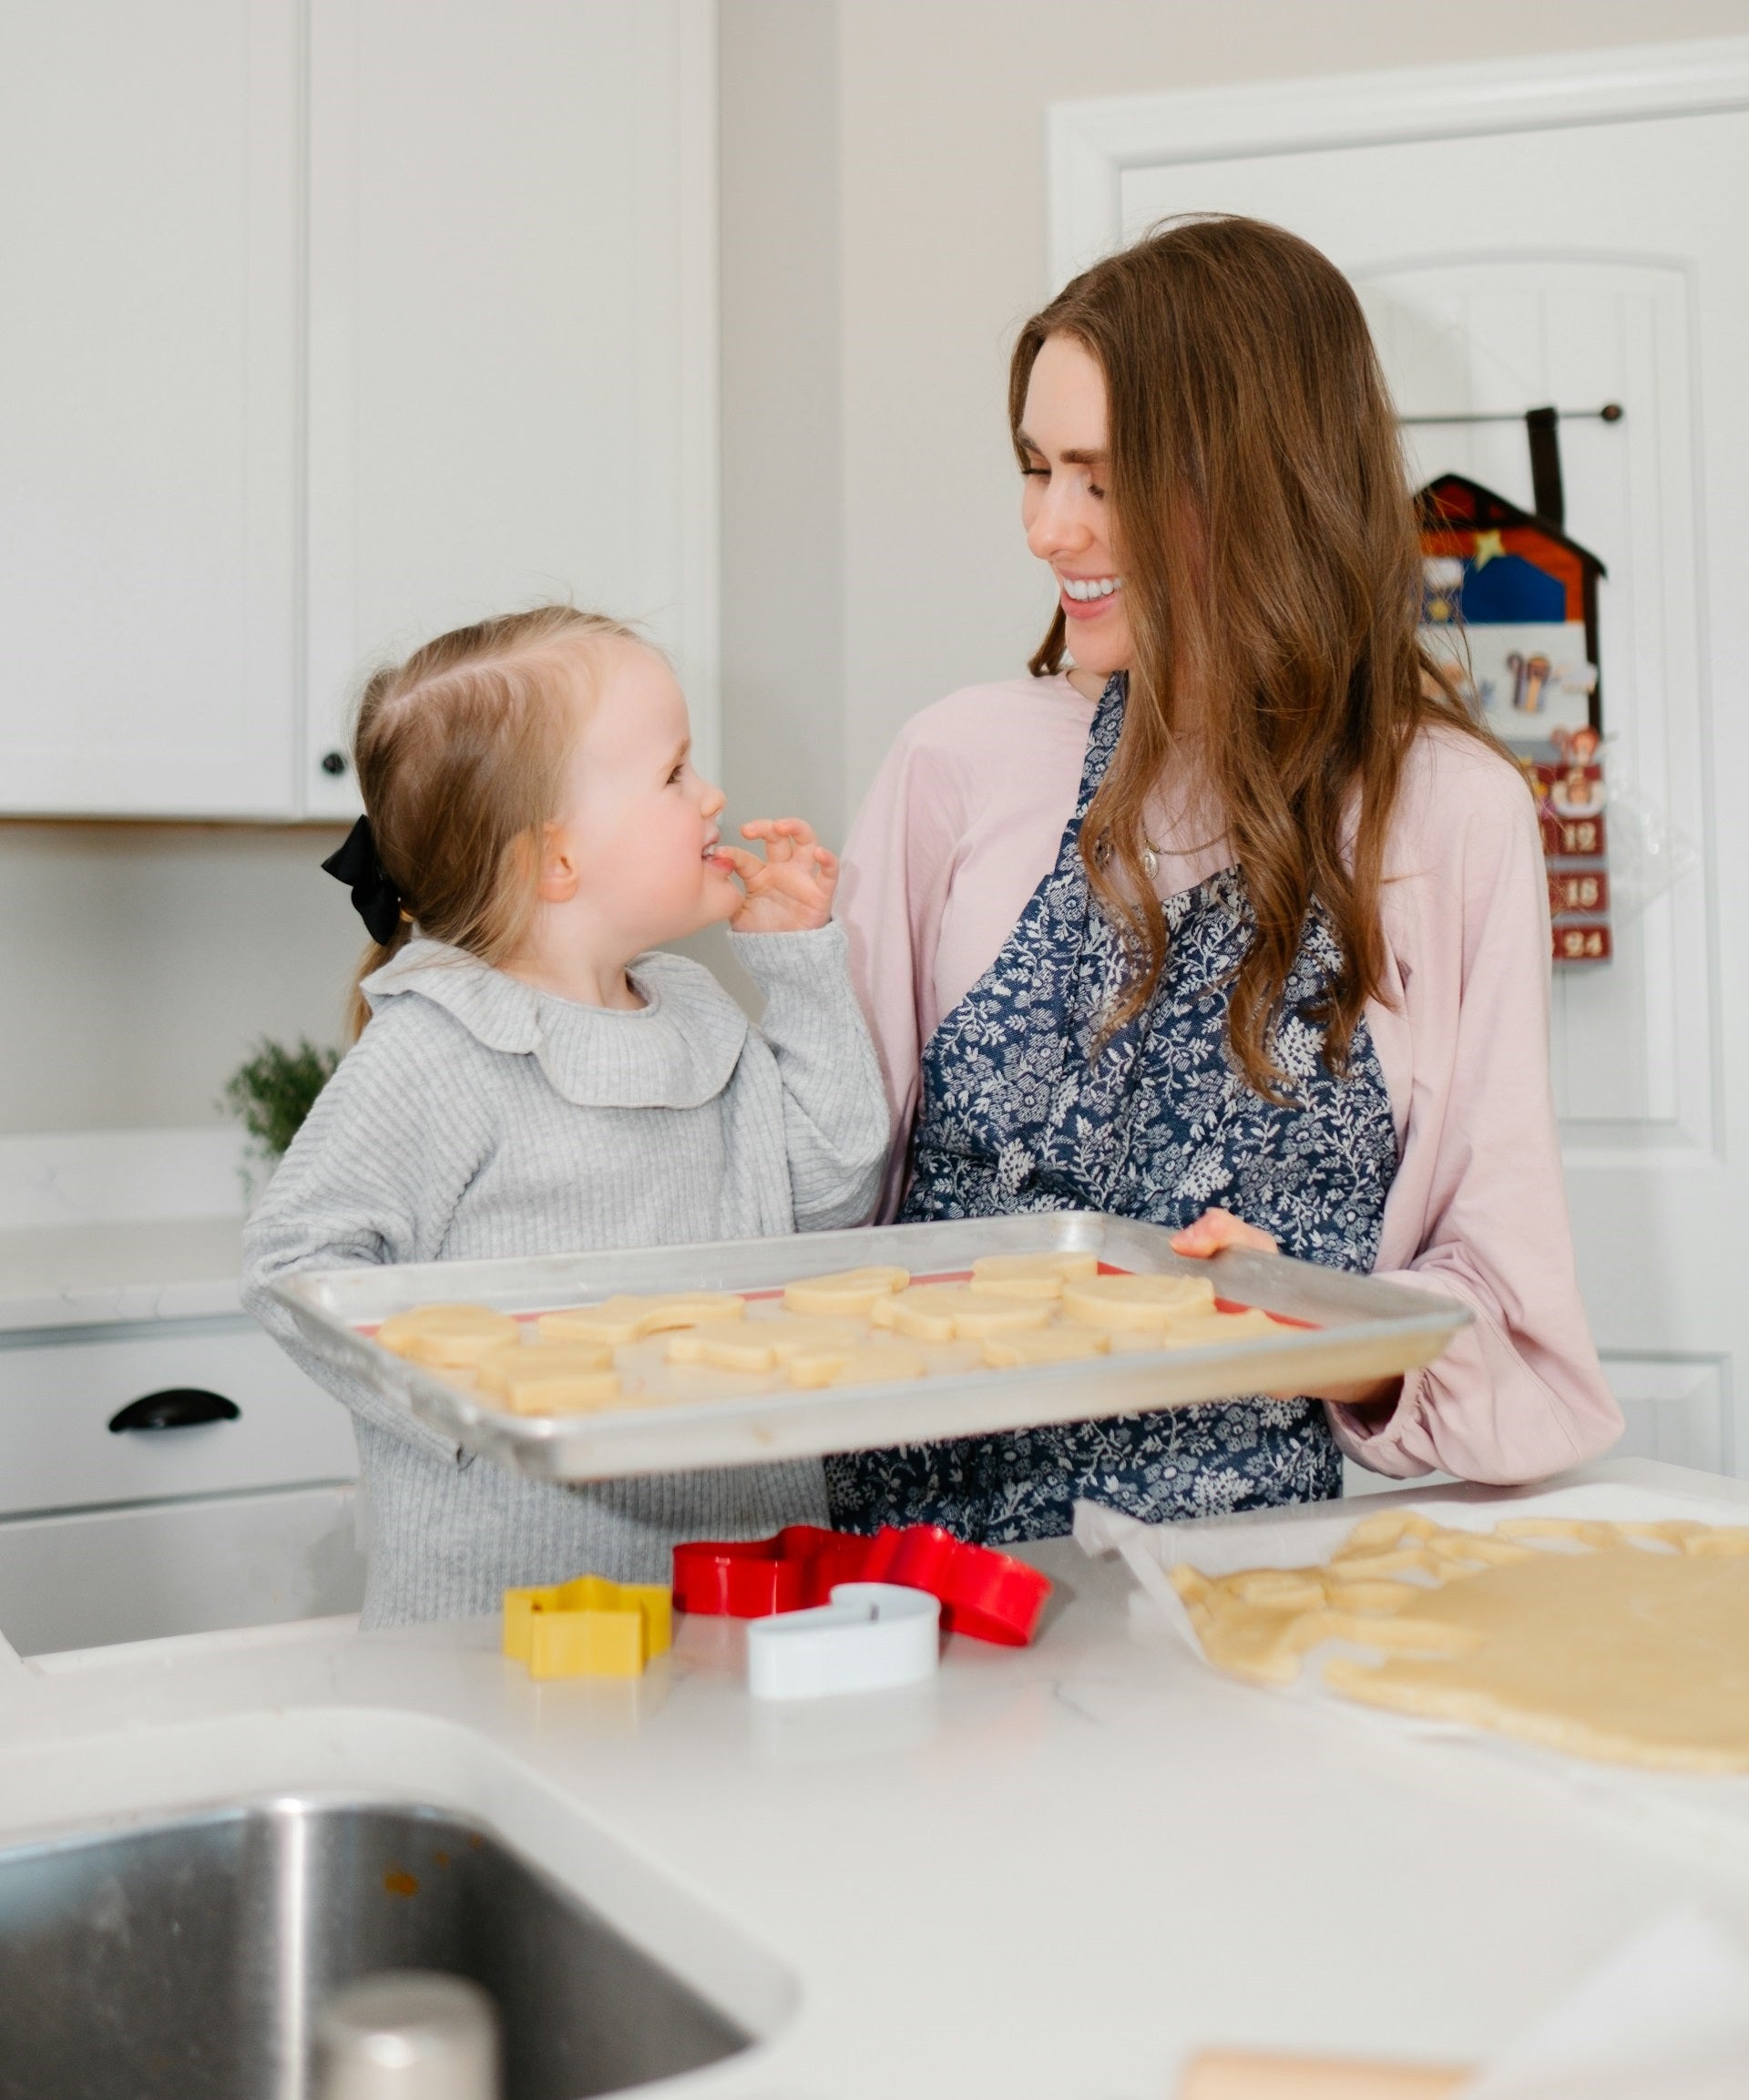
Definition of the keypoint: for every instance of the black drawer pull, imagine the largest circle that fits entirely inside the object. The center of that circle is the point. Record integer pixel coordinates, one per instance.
(178, 1407)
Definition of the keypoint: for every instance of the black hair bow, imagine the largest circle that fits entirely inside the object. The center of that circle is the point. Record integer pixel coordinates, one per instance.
(375, 898)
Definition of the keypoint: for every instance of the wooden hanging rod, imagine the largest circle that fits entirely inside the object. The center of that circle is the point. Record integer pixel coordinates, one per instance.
(1610, 412)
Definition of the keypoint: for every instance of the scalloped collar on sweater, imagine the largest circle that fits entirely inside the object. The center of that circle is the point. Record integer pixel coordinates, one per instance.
(677, 1051)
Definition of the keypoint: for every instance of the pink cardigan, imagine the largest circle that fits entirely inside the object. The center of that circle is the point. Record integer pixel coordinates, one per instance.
(963, 822)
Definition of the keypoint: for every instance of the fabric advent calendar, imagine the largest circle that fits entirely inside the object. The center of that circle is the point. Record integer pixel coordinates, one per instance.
(1510, 602)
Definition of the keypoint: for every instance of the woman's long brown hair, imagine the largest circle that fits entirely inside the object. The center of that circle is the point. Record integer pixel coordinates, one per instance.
(1267, 536)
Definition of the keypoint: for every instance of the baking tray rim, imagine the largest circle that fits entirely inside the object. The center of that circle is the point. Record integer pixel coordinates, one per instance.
(1275, 1283)
(1355, 1309)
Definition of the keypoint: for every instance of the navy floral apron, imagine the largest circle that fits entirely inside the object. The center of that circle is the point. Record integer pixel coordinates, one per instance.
(1016, 1113)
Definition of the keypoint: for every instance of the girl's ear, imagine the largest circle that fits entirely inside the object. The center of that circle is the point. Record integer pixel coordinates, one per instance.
(561, 869)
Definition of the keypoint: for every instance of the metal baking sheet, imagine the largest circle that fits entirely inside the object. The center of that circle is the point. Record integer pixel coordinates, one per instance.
(1354, 1327)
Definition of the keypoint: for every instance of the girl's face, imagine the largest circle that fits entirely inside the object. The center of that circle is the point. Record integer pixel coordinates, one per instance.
(638, 826)
(1062, 502)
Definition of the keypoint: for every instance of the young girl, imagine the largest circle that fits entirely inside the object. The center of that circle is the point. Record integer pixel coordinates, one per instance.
(533, 1081)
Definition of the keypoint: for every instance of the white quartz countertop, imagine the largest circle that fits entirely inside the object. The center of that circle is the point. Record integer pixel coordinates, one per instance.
(85, 1274)
(1054, 1871)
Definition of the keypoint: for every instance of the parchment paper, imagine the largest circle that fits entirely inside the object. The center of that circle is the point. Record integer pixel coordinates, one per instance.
(1303, 1537)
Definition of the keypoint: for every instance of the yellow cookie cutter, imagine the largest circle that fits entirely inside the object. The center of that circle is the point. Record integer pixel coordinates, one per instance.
(589, 1628)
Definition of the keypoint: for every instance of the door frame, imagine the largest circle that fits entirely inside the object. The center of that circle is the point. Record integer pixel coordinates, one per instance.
(1090, 145)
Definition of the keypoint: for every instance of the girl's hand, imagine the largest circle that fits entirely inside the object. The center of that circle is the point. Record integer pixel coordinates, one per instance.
(1373, 1399)
(790, 891)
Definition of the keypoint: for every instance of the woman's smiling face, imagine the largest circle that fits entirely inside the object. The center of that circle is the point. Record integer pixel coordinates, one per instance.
(1063, 503)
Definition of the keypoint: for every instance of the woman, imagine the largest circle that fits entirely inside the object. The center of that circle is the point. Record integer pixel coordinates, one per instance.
(1228, 917)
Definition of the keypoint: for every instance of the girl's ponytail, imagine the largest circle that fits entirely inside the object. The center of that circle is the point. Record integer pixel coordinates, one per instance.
(358, 1007)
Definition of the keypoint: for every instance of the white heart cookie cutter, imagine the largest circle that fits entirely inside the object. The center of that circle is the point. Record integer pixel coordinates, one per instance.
(871, 1637)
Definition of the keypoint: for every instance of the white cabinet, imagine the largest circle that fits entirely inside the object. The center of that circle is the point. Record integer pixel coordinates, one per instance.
(512, 337)
(168, 1475)
(90, 1578)
(330, 325)
(150, 239)
(59, 1395)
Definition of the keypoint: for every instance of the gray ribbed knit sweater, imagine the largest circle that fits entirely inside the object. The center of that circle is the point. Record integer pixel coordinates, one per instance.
(477, 1116)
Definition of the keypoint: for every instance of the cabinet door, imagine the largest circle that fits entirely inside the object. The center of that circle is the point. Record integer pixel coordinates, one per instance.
(58, 1397)
(149, 241)
(511, 331)
(330, 325)
(92, 1578)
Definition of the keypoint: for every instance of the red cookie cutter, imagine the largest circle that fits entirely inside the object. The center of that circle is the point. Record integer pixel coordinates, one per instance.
(752, 1577)
(988, 1594)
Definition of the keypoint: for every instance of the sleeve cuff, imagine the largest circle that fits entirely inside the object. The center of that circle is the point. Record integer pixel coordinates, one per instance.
(791, 959)
(1380, 1450)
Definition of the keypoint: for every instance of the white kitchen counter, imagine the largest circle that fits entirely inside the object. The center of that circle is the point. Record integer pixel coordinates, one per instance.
(85, 1274)
(1054, 1871)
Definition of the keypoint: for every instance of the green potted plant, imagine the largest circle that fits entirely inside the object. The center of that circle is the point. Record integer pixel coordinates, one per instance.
(271, 1093)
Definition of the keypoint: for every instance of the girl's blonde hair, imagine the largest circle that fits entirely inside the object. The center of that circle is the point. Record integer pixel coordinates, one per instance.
(460, 752)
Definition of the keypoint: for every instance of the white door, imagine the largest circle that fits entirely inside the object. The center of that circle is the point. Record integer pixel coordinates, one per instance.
(1571, 233)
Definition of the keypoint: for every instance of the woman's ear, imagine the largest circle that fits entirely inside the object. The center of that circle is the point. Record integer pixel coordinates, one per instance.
(561, 864)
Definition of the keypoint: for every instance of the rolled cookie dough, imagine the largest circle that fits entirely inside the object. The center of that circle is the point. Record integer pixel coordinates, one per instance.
(847, 1294)
(539, 1391)
(1628, 1643)
(1031, 1275)
(549, 1378)
(501, 1369)
(1137, 1301)
(451, 1336)
(1044, 1346)
(759, 1344)
(958, 1313)
(862, 1364)
(1210, 1329)
(629, 1319)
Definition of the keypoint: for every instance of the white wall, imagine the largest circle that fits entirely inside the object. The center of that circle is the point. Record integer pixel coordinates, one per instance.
(138, 962)
(782, 412)
(883, 212)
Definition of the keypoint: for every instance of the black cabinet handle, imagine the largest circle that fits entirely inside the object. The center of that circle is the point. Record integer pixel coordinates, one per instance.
(178, 1407)
(333, 764)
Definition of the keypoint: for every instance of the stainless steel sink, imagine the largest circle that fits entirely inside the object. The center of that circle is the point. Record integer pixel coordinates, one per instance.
(186, 1961)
